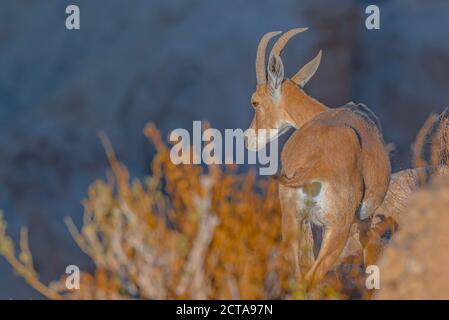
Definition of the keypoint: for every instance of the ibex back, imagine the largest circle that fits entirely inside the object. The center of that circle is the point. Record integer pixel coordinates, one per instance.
(335, 169)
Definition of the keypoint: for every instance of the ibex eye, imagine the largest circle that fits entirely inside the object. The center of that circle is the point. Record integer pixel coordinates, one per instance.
(255, 104)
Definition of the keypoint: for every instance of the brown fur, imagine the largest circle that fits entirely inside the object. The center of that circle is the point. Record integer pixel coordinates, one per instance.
(404, 184)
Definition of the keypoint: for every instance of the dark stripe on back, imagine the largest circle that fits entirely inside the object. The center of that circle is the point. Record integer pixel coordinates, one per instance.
(357, 134)
(364, 112)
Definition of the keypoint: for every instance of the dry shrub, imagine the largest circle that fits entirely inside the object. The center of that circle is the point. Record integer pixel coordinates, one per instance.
(184, 232)
(193, 232)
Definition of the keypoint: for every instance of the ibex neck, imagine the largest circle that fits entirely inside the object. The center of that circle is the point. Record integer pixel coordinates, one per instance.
(304, 108)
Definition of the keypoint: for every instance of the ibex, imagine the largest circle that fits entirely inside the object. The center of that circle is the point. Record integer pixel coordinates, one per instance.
(335, 169)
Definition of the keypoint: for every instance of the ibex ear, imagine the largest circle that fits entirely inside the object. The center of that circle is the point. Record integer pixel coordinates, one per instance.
(307, 72)
(275, 74)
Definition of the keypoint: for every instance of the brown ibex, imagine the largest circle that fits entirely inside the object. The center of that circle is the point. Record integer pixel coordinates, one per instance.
(335, 169)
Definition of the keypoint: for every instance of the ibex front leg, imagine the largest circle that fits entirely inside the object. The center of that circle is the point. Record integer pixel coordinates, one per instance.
(334, 240)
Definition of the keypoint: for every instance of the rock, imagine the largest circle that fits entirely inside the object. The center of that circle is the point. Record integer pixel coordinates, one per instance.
(414, 266)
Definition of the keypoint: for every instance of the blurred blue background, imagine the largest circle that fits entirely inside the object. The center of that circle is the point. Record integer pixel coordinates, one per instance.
(172, 62)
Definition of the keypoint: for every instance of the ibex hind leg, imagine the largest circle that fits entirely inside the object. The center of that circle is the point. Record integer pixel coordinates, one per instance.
(375, 184)
(335, 236)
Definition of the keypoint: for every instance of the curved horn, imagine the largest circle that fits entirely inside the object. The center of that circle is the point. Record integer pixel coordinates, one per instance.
(260, 57)
(282, 41)
(306, 72)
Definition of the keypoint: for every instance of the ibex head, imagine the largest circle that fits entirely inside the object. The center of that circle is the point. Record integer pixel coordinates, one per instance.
(273, 92)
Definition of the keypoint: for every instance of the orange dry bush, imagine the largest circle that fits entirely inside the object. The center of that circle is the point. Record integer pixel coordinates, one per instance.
(184, 232)
(202, 233)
